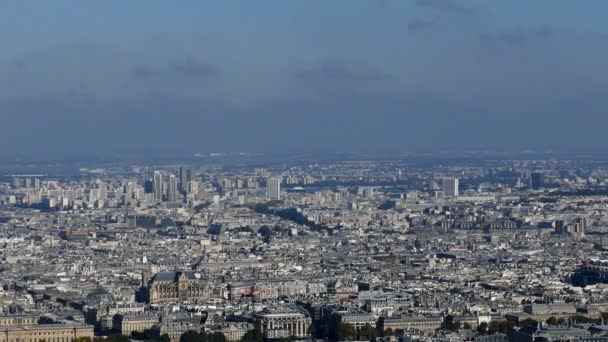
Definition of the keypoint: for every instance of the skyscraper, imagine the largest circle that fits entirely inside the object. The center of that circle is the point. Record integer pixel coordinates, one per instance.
(537, 180)
(172, 189)
(273, 188)
(185, 176)
(450, 187)
(157, 182)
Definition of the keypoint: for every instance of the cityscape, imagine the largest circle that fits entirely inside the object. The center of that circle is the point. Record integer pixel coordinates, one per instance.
(500, 250)
(303, 170)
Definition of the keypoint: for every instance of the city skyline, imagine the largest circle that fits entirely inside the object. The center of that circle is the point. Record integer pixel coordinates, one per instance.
(312, 170)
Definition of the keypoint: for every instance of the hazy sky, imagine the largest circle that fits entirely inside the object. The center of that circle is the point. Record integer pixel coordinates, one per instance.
(302, 75)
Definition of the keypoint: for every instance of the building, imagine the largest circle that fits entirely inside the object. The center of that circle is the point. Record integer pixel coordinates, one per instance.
(591, 272)
(173, 329)
(126, 323)
(233, 331)
(537, 180)
(356, 319)
(497, 337)
(273, 188)
(185, 177)
(172, 189)
(411, 323)
(176, 286)
(157, 183)
(450, 187)
(283, 322)
(13, 320)
(25, 329)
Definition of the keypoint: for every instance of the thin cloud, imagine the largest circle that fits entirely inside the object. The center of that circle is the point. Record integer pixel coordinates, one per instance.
(191, 68)
(342, 70)
(418, 25)
(443, 5)
(519, 36)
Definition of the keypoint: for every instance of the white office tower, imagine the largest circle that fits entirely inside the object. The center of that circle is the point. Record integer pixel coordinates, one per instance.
(450, 187)
(172, 189)
(157, 183)
(273, 188)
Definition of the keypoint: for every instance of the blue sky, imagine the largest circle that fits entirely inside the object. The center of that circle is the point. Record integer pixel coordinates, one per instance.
(340, 75)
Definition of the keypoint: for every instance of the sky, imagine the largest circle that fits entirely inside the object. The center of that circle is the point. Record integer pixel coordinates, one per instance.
(283, 76)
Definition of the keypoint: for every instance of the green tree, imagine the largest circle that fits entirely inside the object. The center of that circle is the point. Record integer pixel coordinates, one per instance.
(467, 326)
(117, 338)
(561, 321)
(528, 322)
(482, 328)
(82, 339)
(216, 337)
(368, 332)
(190, 336)
(500, 326)
(388, 332)
(165, 338)
(345, 331)
(552, 320)
(254, 335)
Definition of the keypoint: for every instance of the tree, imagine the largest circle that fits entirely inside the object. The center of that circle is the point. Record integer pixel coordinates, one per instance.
(561, 321)
(528, 322)
(482, 328)
(254, 335)
(453, 326)
(345, 331)
(117, 338)
(216, 337)
(190, 336)
(467, 326)
(82, 339)
(214, 229)
(500, 326)
(552, 320)
(388, 332)
(368, 332)
(265, 231)
(165, 338)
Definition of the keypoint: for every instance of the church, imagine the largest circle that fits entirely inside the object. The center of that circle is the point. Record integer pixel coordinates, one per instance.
(176, 286)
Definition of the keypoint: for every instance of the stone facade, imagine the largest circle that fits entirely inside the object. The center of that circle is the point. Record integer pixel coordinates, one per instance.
(176, 286)
(283, 323)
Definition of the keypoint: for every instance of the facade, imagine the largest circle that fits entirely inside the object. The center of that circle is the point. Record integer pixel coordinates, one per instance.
(450, 187)
(176, 286)
(537, 180)
(172, 189)
(13, 320)
(283, 323)
(173, 329)
(157, 183)
(25, 329)
(273, 188)
(185, 177)
(356, 319)
(411, 323)
(126, 323)
(233, 331)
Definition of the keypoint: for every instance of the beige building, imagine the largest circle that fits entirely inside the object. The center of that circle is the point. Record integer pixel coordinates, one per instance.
(233, 331)
(419, 323)
(176, 286)
(173, 329)
(283, 323)
(18, 320)
(25, 329)
(127, 323)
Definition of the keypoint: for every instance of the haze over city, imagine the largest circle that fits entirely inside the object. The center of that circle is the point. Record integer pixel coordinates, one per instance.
(301, 76)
